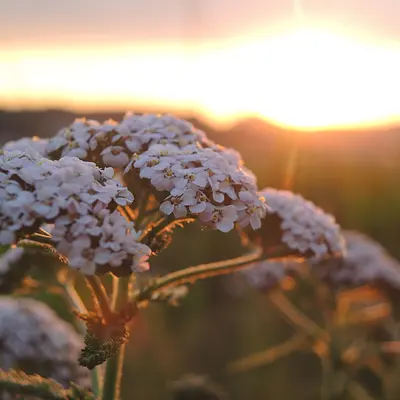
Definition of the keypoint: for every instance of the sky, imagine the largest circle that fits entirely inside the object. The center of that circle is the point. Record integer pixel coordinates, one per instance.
(303, 63)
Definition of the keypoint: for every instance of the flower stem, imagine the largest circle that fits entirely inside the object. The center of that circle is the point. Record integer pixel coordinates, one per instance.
(38, 237)
(44, 232)
(113, 374)
(192, 274)
(306, 325)
(326, 378)
(76, 302)
(295, 316)
(114, 293)
(299, 341)
(101, 296)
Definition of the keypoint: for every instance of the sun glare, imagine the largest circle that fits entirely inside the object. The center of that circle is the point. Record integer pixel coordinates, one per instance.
(305, 79)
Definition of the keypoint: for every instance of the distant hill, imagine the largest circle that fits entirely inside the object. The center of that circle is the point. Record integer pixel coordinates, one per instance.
(255, 138)
(355, 175)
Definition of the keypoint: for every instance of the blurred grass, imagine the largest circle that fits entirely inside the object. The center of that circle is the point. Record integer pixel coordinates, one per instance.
(215, 326)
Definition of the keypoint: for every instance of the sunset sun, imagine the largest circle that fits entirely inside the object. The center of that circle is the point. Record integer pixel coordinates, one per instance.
(305, 78)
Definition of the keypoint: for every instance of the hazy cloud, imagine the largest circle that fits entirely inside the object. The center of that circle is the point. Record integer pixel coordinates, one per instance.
(41, 21)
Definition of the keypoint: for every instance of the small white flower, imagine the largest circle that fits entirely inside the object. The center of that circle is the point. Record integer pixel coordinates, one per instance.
(115, 157)
(222, 218)
(174, 205)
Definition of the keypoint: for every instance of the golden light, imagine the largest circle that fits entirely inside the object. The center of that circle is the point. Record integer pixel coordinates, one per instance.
(306, 78)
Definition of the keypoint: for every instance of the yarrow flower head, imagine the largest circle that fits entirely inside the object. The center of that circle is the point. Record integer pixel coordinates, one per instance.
(202, 183)
(79, 199)
(300, 225)
(202, 179)
(113, 144)
(33, 338)
(28, 144)
(366, 262)
(73, 141)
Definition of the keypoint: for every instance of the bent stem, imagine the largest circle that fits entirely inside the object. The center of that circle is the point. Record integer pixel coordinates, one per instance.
(192, 274)
(113, 374)
(298, 342)
(298, 319)
(306, 325)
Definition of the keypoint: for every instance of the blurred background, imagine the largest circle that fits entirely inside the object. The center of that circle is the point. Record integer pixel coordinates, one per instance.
(307, 91)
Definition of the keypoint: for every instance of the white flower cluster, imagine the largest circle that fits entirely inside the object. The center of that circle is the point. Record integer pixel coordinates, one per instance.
(32, 336)
(203, 183)
(79, 199)
(113, 144)
(265, 275)
(305, 227)
(365, 262)
(203, 179)
(28, 144)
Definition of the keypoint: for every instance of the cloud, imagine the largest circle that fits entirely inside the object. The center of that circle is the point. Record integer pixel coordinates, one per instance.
(91, 21)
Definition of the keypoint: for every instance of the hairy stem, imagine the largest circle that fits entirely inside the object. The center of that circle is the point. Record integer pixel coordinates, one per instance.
(114, 293)
(40, 238)
(44, 232)
(142, 210)
(101, 296)
(76, 302)
(192, 274)
(113, 374)
(162, 225)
